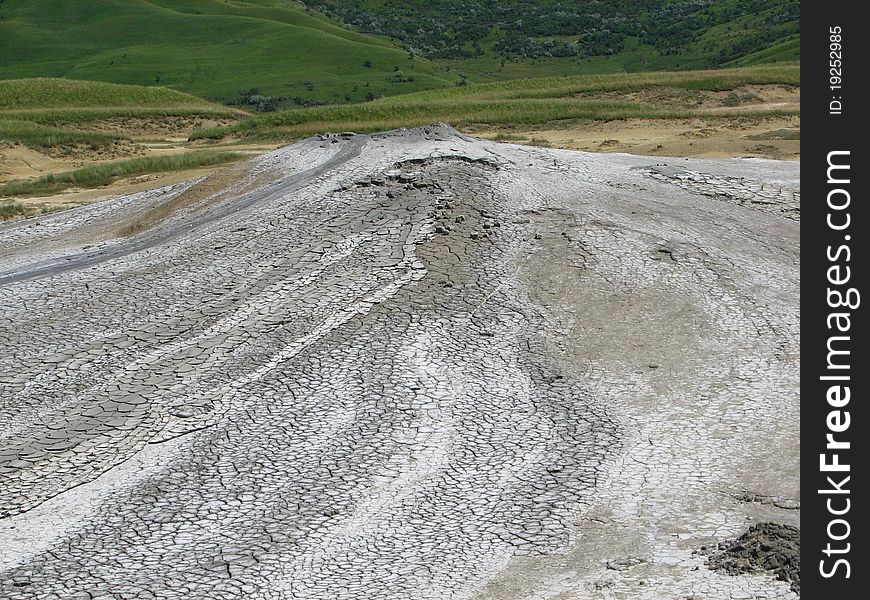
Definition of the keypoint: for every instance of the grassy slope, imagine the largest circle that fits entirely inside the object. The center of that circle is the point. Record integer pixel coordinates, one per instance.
(211, 48)
(704, 35)
(39, 136)
(519, 102)
(41, 93)
(51, 113)
(782, 52)
(217, 48)
(103, 174)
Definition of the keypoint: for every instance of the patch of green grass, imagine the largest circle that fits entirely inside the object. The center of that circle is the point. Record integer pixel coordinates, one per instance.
(35, 135)
(788, 50)
(10, 210)
(52, 113)
(508, 137)
(83, 116)
(103, 174)
(211, 48)
(540, 142)
(557, 87)
(52, 101)
(554, 101)
(43, 92)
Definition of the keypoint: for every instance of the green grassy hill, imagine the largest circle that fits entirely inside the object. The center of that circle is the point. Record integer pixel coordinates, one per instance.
(268, 54)
(54, 113)
(784, 51)
(53, 102)
(211, 48)
(51, 93)
(534, 38)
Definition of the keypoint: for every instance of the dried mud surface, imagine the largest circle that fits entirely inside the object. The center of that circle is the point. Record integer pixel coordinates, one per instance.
(407, 365)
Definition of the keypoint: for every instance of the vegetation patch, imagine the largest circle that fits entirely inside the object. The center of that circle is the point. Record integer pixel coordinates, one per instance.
(737, 99)
(11, 210)
(559, 101)
(614, 35)
(540, 142)
(103, 174)
(39, 136)
(509, 137)
(65, 117)
(209, 48)
(41, 93)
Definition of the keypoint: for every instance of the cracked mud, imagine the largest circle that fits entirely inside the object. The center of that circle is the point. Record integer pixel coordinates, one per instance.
(407, 365)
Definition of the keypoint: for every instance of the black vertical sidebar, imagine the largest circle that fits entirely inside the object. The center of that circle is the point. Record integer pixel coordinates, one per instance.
(834, 265)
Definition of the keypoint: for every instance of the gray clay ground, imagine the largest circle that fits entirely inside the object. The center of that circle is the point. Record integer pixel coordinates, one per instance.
(408, 365)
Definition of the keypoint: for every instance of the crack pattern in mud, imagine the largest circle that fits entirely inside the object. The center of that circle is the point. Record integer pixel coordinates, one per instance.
(765, 196)
(361, 378)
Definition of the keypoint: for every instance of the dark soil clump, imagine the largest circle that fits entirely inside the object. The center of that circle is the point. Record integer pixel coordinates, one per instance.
(772, 547)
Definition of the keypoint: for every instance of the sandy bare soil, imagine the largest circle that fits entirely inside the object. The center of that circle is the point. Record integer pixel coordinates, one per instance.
(771, 137)
(729, 134)
(147, 137)
(73, 197)
(410, 365)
